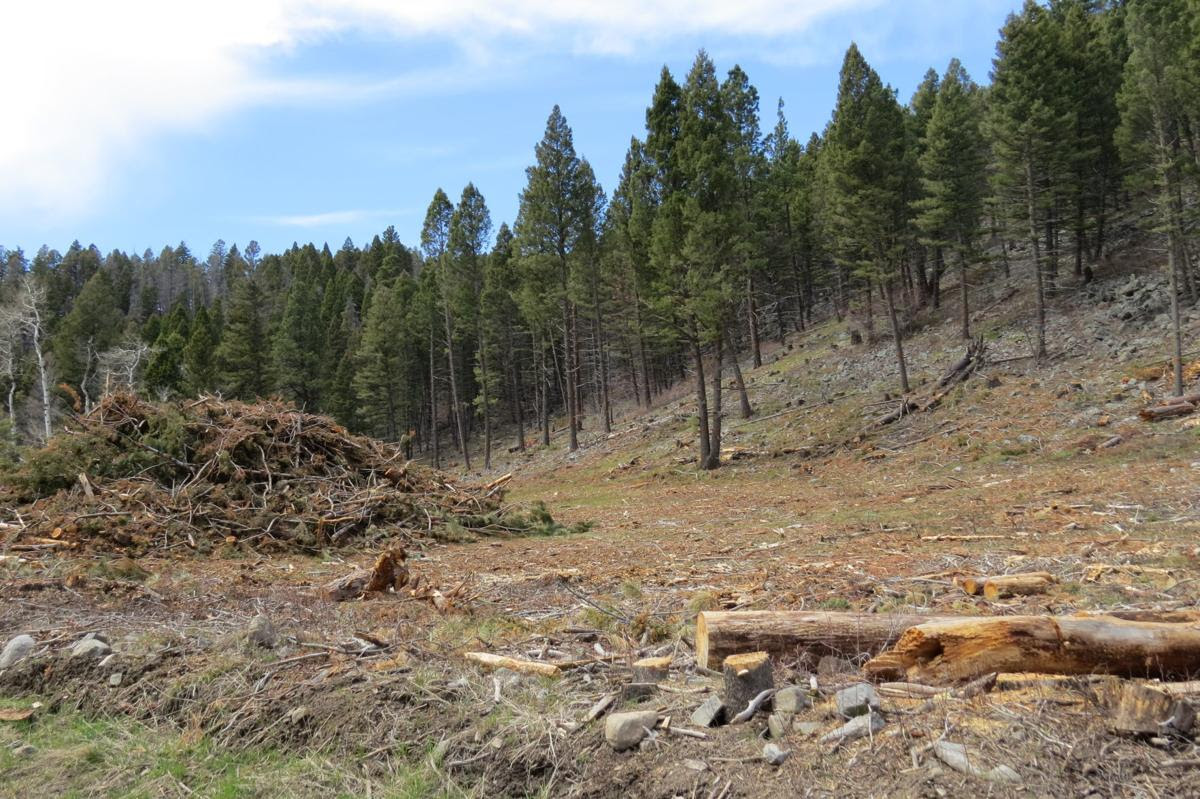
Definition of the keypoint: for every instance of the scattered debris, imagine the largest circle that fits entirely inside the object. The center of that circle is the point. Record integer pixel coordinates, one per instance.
(955, 756)
(388, 572)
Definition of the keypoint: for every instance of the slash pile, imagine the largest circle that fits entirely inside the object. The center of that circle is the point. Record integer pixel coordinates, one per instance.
(135, 476)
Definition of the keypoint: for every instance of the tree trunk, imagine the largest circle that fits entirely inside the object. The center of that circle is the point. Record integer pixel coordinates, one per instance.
(752, 319)
(483, 395)
(966, 311)
(897, 334)
(457, 408)
(701, 395)
(962, 649)
(714, 429)
(568, 350)
(1031, 208)
(743, 396)
(545, 399)
(788, 634)
(605, 406)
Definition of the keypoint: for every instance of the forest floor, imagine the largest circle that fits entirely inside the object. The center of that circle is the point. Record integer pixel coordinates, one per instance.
(814, 509)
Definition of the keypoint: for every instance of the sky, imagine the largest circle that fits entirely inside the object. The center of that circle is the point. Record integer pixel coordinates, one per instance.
(134, 124)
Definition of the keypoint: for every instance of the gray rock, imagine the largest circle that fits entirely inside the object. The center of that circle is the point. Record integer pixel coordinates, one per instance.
(90, 648)
(695, 765)
(857, 700)
(806, 727)
(16, 649)
(869, 724)
(774, 755)
(261, 632)
(792, 699)
(626, 730)
(709, 714)
(115, 678)
(778, 725)
(25, 750)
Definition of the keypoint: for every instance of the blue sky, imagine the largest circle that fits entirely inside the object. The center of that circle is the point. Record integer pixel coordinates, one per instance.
(137, 123)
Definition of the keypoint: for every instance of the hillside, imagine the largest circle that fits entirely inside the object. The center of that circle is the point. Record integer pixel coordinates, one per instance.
(816, 507)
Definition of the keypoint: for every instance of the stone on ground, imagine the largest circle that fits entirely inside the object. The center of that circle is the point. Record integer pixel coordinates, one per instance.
(90, 648)
(709, 714)
(16, 649)
(775, 755)
(626, 730)
(857, 700)
(261, 632)
(792, 699)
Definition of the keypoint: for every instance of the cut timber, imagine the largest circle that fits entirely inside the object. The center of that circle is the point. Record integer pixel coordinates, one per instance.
(651, 670)
(1017, 585)
(785, 633)
(523, 666)
(942, 651)
(1145, 710)
(747, 676)
(1176, 406)
(387, 572)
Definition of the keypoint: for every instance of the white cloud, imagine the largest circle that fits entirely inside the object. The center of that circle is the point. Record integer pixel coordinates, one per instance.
(331, 218)
(89, 84)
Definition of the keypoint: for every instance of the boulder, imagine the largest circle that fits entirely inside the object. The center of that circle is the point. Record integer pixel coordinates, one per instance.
(16, 649)
(261, 632)
(792, 699)
(775, 755)
(709, 714)
(626, 730)
(856, 700)
(90, 648)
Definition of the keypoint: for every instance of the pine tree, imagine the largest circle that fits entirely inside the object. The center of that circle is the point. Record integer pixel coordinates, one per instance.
(952, 166)
(199, 354)
(241, 356)
(91, 327)
(435, 241)
(462, 289)
(1158, 90)
(549, 225)
(297, 341)
(869, 214)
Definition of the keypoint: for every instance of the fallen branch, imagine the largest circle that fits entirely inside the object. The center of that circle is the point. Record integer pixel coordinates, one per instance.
(491, 661)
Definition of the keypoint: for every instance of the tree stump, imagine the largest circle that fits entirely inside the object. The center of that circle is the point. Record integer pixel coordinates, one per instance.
(746, 676)
(1145, 710)
(651, 670)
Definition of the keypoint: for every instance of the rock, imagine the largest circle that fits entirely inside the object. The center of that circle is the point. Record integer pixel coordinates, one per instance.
(16, 649)
(261, 632)
(25, 750)
(90, 648)
(774, 755)
(792, 699)
(626, 730)
(857, 727)
(695, 765)
(778, 725)
(637, 691)
(709, 714)
(857, 700)
(114, 679)
(831, 666)
(806, 727)
(108, 660)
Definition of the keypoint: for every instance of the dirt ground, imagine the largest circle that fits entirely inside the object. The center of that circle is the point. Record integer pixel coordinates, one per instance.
(814, 509)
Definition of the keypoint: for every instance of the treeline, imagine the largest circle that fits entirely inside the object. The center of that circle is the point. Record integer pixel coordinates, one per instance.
(717, 237)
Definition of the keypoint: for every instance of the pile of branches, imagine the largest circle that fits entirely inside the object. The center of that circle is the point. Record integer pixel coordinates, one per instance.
(135, 476)
(958, 373)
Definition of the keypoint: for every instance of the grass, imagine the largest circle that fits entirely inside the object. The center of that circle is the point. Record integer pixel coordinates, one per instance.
(77, 756)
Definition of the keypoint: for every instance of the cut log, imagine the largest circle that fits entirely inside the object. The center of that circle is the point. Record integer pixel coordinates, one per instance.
(1145, 710)
(950, 650)
(387, 572)
(1157, 412)
(651, 670)
(747, 677)
(523, 666)
(792, 634)
(1017, 585)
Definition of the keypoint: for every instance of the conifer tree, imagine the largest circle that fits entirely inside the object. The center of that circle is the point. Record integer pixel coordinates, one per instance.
(435, 240)
(241, 356)
(865, 144)
(199, 354)
(952, 167)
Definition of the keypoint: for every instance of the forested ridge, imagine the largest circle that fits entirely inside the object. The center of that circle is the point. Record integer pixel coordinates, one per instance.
(722, 232)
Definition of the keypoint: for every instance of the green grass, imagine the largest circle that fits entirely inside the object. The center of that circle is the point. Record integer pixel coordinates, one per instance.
(77, 756)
